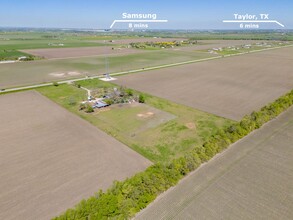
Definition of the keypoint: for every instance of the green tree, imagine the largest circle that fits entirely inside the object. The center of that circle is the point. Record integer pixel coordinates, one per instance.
(89, 109)
(141, 98)
(55, 84)
(129, 92)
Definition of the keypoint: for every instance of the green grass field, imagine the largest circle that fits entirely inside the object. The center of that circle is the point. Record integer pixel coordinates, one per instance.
(12, 42)
(44, 43)
(11, 54)
(173, 129)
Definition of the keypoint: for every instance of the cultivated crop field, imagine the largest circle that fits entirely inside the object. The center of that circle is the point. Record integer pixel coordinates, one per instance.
(51, 159)
(230, 87)
(250, 180)
(23, 43)
(27, 73)
(11, 43)
(34, 40)
(80, 52)
(138, 40)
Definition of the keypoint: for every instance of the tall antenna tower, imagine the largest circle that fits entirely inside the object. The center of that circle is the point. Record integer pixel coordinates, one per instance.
(106, 63)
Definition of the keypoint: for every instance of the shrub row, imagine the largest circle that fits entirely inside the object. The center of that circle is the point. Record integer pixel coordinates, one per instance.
(126, 198)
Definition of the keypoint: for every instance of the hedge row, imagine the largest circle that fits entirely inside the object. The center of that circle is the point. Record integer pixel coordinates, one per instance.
(126, 198)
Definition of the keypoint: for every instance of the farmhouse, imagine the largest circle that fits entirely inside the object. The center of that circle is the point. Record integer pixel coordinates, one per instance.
(100, 104)
(22, 58)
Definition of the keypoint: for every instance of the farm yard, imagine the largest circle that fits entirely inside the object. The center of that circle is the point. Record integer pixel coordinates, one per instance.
(250, 180)
(159, 129)
(52, 159)
(230, 87)
(131, 120)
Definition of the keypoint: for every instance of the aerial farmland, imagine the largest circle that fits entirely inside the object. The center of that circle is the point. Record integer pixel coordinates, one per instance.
(181, 112)
(252, 179)
(232, 87)
(54, 154)
(166, 102)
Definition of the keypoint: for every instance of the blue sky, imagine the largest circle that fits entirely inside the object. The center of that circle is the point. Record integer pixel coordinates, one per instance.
(182, 14)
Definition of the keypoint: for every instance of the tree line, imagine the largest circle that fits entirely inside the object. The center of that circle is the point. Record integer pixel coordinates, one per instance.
(124, 199)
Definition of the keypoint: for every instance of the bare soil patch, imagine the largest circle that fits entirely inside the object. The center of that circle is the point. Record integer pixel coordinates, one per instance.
(51, 159)
(145, 115)
(190, 125)
(65, 74)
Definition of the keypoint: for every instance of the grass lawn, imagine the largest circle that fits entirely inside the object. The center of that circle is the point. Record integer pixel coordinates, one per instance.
(160, 130)
(131, 120)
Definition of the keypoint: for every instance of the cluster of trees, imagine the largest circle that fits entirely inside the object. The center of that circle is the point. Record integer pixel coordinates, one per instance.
(143, 45)
(14, 55)
(86, 107)
(126, 198)
(117, 96)
(110, 96)
(141, 98)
